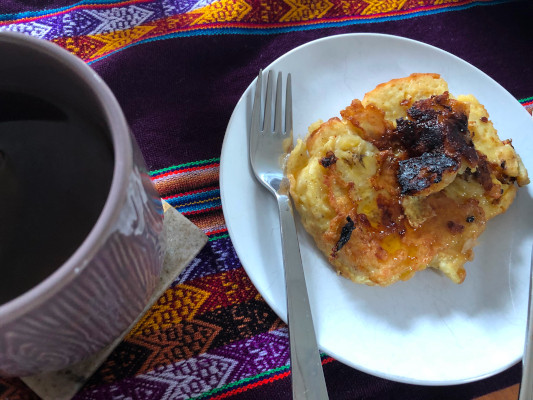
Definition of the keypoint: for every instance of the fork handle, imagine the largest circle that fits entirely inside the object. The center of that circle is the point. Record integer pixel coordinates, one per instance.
(526, 385)
(306, 368)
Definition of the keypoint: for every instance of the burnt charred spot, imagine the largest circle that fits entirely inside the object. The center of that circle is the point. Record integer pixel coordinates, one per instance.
(470, 219)
(421, 113)
(346, 233)
(328, 160)
(484, 119)
(483, 176)
(458, 142)
(419, 137)
(418, 173)
(436, 138)
(437, 124)
(406, 130)
(503, 164)
(454, 227)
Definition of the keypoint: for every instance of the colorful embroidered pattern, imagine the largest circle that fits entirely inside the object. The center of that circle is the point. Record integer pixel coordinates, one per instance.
(528, 104)
(211, 335)
(96, 29)
(193, 190)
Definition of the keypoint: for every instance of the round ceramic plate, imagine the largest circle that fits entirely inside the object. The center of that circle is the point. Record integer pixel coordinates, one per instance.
(427, 330)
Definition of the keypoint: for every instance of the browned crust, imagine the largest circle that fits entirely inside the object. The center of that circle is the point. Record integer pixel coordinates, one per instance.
(418, 155)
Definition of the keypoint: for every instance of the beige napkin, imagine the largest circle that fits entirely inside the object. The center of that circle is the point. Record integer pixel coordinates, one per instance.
(184, 241)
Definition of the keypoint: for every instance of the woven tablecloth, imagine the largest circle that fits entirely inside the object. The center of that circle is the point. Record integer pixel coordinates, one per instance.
(178, 68)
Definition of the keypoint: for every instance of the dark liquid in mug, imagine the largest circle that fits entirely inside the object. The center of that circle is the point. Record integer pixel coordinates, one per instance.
(55, 175)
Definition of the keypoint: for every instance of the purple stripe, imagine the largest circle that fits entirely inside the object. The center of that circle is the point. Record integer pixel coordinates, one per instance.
(217, 256)
(131, 388)
(197, 375)
(258, 354)
(97, 20)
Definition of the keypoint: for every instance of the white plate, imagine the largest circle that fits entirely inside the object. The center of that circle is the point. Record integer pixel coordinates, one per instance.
(424, 331)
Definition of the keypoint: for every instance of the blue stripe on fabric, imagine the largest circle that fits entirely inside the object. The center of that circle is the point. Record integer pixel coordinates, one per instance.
(198, 207)
(191, 165)
(193, 198)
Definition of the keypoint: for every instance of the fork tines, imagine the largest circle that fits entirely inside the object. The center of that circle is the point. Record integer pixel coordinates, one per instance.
(267, 122)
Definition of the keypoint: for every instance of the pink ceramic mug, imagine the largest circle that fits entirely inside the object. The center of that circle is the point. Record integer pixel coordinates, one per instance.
(53, 318)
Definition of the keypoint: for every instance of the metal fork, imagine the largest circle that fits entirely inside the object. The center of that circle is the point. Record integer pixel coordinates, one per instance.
(267, 147)
(526, 386)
